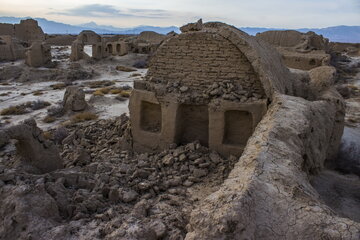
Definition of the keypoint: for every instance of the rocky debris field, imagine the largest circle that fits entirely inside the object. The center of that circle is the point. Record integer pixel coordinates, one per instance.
(104, 192)
(107, 89)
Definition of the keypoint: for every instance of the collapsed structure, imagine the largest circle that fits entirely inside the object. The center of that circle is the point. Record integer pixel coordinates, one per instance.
(211, 83)
(147, 42)
(38, 54)
(15, 38)
(24, 40)
(26, 31)
(33, 148)
(11, 49)
(299, 50)
(100, 47)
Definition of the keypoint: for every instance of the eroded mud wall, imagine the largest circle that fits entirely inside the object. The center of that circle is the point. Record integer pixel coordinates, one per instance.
(268, 194)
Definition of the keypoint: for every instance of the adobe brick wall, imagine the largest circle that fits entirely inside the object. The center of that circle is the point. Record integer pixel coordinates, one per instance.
(200, 59)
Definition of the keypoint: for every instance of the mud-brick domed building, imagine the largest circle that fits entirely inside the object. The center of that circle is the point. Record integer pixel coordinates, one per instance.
(210, 83)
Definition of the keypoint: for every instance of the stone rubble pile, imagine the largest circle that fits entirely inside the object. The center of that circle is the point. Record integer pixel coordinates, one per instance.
(108, 193)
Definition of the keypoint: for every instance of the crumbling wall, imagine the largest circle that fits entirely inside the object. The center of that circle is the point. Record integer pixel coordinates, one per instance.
(32, 147)
(101, 47)
(7, 29)
(303, 51)
(118, 48)
(86, 38)
(38, 55)
(300, 41)
(10, 49)
(268, 195)
(29, 31)
(200, 59)
(77, 51)
(14, 38)
(151, 37)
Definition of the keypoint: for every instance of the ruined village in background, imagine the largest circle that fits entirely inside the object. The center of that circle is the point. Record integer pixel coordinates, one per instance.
(209, 133)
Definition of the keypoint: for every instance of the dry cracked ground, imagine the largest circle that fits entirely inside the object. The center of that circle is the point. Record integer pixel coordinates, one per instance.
(104, 192)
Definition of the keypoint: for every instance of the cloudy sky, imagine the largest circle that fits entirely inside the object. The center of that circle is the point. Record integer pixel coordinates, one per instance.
(241, 13)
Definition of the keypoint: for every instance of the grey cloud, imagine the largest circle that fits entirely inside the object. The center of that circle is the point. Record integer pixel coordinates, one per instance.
(100, 10)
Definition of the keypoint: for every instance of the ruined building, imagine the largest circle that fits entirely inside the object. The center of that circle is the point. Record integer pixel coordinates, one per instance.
(100, 47)
(211, 83)
(11, 49)
(303, 51)
(26, 31)
(118, 45)
(15, 38)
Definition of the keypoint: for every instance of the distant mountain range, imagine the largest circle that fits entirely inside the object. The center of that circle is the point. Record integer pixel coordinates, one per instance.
(349, 34)
(51, 27)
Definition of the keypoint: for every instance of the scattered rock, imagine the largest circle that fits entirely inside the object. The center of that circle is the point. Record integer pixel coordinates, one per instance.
(74, 99)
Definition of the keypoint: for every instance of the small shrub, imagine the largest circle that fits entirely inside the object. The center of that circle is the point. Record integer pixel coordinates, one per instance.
(58, 86)
(104, 90)
(115, 91)
(14, 110)
(37, 93)
(125, 69)
(125, 94)
(85, 116)
(98, 93)
(4, 94)
(135, 75)
(49, 119)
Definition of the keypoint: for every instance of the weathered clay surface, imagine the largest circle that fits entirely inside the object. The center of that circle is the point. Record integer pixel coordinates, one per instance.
(38, 55)
(32, 147)
(11, 48)
(299, 50)
(300, 41)
(267, 194)
(151, 37)
(27, 30)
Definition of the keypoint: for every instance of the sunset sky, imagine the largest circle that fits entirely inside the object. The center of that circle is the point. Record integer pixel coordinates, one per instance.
(241, 13)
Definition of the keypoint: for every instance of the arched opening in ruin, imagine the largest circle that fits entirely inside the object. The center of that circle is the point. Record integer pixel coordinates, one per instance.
(118, 48)
(88, 49)
(192, 124)
(238, 127)
(150, 119)
(110, 47)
